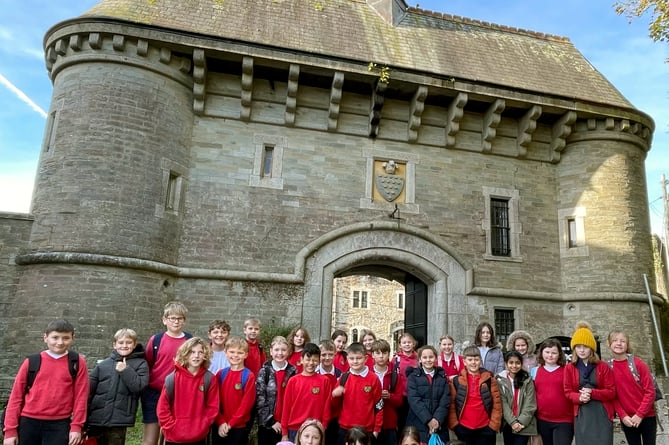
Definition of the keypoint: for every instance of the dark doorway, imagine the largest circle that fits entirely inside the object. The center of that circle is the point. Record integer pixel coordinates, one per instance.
(415, 309)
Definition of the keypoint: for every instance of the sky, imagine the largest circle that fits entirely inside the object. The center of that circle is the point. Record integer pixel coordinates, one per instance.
(620, 50)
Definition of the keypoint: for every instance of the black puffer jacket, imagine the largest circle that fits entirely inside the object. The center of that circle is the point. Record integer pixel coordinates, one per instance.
(114, 395)
(266, 387)
(427, 401)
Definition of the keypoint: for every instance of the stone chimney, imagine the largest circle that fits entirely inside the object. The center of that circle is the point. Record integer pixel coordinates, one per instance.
(392, 11)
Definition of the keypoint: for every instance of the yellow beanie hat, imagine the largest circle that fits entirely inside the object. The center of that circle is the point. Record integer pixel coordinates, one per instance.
(583, 336)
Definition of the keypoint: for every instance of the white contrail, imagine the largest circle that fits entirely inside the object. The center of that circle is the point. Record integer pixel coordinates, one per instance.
(21, 95)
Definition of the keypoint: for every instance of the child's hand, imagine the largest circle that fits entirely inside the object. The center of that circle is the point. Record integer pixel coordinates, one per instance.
(120, 366)
(277, 427)
(385, 394)
(338, 391)
(433, 425)
(224, 429)
(75, 438)
(11, 441)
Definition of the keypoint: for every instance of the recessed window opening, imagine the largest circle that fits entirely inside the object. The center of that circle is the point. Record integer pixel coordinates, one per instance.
(267, 158)
(500, 227)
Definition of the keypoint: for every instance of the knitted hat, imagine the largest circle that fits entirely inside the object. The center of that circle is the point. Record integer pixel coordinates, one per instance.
(583, 336)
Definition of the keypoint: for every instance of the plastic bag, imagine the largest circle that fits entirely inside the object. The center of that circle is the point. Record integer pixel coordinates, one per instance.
(435, 440)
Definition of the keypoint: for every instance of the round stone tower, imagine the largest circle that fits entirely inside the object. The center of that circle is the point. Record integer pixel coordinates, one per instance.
(112, 173)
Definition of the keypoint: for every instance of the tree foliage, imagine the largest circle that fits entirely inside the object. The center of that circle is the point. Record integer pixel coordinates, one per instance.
(659, 10)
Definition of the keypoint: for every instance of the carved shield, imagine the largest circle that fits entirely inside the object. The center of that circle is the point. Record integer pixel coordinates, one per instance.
(389, 186)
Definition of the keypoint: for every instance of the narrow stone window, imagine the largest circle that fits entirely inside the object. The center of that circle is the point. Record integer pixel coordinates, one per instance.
(499, 227)
(501, 224)
(400, 300)
(504, 324)
(50, 134)
(355, 335)
(173, 192)
(267, 156)
(571, 224)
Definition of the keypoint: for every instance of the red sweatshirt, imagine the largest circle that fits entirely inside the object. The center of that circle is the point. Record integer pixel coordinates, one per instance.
(361, 395)
(392, 403)
(405, 361)
(605, 391)
(53, 396)
(552, 404)
(340, 361)
(163, 363)
(188, 418)
(237, 401)
(633, 397)
(306, 397)
(256, 357)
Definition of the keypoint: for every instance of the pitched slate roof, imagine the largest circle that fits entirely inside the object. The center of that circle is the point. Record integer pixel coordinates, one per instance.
(424, 41)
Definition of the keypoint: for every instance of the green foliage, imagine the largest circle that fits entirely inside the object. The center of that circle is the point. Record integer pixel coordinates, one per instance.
(659, 10)
(382, 71)
(271, 330)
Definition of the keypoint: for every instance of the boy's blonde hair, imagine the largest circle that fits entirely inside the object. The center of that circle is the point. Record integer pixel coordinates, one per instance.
(471, 351)
(279, 340)
(125, 332)
(175, 308)
(327, 345)
(185, 349)
(237, 342)
(252, 322)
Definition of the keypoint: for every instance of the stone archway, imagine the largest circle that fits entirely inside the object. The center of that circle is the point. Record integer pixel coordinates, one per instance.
(387, 243)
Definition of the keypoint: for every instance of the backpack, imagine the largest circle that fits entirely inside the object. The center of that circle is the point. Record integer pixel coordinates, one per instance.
(245, 375)
(159, 337)
(632, 367)
(169, 386)
(394, 375)
(34, 363)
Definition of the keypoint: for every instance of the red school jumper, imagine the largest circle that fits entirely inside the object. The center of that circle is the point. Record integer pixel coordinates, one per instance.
(361, 394)
(163, 363)
(255, 358)
(392, 403)
(53, 396)
(632, 396)
(237, 400)
(306, 397)
(552, 404)
(188, 418)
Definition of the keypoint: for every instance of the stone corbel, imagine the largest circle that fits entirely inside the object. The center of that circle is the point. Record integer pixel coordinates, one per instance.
(456, 110)
(491, 120)
(291, 94)
(561, 131)
(526, 127)
(378, 97)
(335, 100)
(199, 80)
(247, 88)
(417, 107)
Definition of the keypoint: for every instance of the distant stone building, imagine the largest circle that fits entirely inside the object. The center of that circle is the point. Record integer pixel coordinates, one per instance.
(368, 303)
(239, 156)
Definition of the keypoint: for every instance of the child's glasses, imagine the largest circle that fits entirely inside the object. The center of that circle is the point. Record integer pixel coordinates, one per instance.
(175, 319)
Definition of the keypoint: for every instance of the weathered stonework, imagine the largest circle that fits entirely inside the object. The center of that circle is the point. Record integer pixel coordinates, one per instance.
(152, 182)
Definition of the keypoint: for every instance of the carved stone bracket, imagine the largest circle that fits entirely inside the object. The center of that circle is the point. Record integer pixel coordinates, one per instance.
(291, 94)
(335, 100)
(378, 97)
(247, 88)
(417, 107)
(456, 110)
(526, 127)
(560, 133)
(199, 80)
(491, 120)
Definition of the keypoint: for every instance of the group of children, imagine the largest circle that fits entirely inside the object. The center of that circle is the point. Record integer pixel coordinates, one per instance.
(197, 391)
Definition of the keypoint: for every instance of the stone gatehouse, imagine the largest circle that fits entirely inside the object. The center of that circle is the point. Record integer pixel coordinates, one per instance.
(239, 156)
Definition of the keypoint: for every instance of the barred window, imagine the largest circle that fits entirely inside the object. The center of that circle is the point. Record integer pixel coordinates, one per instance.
(504, 324)
(500, 227)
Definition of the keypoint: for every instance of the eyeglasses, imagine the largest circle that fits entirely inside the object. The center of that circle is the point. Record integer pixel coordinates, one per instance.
(175, 319)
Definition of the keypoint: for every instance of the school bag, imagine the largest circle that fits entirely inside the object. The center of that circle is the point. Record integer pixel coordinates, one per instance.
(632, 367)
(169, 386)
(34, 363)
(394, 375)
(245, 375)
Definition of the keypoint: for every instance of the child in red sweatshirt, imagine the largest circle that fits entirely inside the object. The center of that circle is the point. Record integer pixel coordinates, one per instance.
(44, 410)
(256, 356)
(187, 409)
(237, 391)
(359, 394)
(307, 395)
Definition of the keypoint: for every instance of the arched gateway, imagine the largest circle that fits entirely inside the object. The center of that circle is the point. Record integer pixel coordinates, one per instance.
(391, 244)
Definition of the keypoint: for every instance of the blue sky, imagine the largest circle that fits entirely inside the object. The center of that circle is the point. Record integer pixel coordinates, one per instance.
(621, 51)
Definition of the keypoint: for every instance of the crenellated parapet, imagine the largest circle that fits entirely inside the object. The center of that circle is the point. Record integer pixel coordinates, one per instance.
(255, 85)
